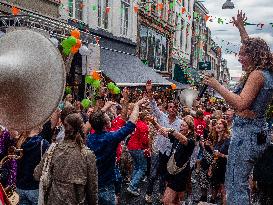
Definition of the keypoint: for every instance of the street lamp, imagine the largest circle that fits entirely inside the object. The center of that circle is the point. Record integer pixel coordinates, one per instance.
(228, 5)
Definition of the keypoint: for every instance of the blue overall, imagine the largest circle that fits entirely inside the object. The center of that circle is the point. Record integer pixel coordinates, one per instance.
(244, 150)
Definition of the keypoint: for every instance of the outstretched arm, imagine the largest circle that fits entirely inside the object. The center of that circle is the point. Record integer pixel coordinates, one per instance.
(239, 22)
(250, 91)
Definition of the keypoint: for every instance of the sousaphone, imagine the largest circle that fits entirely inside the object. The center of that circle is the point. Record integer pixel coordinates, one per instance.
(32, 79)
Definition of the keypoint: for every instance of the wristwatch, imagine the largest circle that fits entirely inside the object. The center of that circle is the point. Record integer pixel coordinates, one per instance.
(171, 131)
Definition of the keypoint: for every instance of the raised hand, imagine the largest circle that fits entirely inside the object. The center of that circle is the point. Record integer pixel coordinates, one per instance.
(142, 101)
(149, 86)
(125, 93)
(239, 22)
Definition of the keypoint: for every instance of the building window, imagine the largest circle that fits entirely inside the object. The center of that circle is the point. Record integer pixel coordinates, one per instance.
(75, 8)
(189, 6)
(176, 31)
(182, 33)
(170, 12)
(103, 14)
(125, 11)
(153, 48)
(187, 37)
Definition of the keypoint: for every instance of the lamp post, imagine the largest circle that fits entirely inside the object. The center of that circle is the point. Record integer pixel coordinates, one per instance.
(228, 5)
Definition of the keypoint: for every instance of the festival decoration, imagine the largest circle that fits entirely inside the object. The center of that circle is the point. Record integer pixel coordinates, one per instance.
(95, 75)
(136, 8)
(96, 84)
(75, 33)
(116, 90)
(67, 44)
(15, 11)
(173, 86)
(76, 47)
(111, 86)
(68, 90)
(86, 103)
(89, 80)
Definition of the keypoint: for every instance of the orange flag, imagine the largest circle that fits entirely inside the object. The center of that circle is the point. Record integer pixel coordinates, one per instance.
(183, 10)
(136, 8)
(207, 18)
(15, 11)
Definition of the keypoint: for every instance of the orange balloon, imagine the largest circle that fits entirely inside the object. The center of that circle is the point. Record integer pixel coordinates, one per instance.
(15, 11)
(173, 86)
(76, 33)
(95, 75)
(78, 43)
(74, 50)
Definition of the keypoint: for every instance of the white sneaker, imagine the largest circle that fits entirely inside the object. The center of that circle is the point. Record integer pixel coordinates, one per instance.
(135, 193)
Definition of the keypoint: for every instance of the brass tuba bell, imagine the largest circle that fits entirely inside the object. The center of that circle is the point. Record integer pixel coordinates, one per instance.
(32, 79)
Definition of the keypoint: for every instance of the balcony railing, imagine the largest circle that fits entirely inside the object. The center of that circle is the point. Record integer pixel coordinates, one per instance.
(56, 29)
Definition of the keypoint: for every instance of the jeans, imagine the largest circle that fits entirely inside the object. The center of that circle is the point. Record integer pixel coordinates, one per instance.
(243, 154)
(28, 197)
(140, 166)
(107, 195)
(154, 174)
(118, 180)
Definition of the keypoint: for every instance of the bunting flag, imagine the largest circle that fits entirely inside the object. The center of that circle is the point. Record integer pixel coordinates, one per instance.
(160, 6)
(136, 8)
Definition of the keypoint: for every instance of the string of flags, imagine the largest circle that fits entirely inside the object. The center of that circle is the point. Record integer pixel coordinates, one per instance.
(160, 7)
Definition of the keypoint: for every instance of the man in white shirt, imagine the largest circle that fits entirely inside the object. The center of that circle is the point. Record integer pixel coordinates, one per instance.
(162, 144)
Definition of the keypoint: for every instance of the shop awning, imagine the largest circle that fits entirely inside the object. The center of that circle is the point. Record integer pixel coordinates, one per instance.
(128, 70)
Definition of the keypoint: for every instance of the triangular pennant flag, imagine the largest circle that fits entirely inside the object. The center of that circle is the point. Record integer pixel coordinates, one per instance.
(107, 10)
(136, 8)
(220, 21)
(15, 11)
(183, 10)
(207, 18)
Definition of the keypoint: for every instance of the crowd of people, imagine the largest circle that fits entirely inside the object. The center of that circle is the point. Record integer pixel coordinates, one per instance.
(93, 152)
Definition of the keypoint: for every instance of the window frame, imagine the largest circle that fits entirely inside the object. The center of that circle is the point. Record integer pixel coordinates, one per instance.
(74, 11)
(157, 54)
(124, 24)
(103, 16)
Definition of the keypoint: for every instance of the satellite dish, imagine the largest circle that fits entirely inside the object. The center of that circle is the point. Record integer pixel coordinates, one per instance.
(228, 5)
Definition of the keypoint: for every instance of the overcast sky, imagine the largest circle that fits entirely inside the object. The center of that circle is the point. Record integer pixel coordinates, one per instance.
(257, 11)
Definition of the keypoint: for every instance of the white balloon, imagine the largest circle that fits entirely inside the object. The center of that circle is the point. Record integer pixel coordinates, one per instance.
(83, 50)
(54, 41)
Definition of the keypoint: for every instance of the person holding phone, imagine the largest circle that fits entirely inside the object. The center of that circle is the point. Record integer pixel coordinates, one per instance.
(250, 101)
(218, 168)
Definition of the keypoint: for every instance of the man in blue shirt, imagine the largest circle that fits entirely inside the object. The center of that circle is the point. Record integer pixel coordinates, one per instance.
(104, 144)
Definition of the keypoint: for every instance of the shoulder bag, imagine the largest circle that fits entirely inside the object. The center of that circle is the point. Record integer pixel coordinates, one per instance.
(172, 168)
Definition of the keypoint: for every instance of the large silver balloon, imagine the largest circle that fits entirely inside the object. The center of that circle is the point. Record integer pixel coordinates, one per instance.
(32, 79)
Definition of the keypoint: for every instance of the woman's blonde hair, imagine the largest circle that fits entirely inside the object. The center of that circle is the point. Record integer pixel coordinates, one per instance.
(262, 58)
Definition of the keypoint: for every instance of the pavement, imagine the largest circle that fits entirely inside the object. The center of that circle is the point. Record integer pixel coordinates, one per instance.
(128, 199)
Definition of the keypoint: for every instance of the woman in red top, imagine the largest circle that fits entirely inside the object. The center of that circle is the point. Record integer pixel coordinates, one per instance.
(138, 143)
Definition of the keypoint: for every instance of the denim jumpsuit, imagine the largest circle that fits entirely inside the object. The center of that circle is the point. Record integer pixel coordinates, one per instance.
(244, 150)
